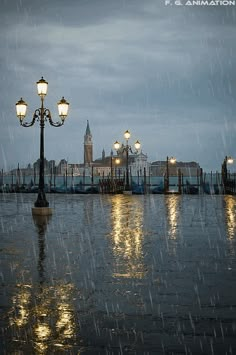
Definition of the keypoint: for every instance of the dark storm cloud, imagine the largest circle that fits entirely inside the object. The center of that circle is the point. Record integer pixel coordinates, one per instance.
(166, 73)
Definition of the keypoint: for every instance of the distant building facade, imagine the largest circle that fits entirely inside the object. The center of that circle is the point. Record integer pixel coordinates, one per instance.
(158, 168)
(138, 165)
(49, 166)
(107, 165)
(62, 167)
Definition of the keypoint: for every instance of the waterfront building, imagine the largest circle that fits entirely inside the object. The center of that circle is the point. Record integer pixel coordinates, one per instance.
(138, 164)
(73, 169)
(188, 169)
(62, 167)
(106, 165)
(49, 165)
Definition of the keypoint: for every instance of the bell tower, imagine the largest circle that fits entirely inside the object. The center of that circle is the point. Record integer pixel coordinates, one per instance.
(88, 146)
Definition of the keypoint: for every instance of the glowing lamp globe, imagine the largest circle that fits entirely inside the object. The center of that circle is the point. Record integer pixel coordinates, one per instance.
(137, 145)
(127, 135)
(21, 107)
(116, 145)
(63, 107)
(42, 87)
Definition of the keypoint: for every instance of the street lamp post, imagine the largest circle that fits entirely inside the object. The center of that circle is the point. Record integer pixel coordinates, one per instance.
(111, 161)
(116, 161)
(171, 160)
(42, 115)
(127, 148)
(224, 171)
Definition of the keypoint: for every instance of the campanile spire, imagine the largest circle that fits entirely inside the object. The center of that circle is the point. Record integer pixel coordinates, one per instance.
(88, 146)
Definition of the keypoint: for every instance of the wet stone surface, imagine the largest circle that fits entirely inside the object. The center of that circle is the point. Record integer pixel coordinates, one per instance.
(118, 275)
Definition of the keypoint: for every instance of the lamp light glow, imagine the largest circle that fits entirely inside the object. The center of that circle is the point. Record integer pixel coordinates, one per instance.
(21, 107)
(63, 107)
(172, 160)
(137, 145)
(42, 87)
(116, 145)
(230, 160)
(127, 135)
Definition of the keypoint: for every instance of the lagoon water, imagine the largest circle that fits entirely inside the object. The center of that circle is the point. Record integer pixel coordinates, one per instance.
(149, 274)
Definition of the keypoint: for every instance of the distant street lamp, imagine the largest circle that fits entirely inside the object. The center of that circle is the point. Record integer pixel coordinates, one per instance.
(116, 161)
(230, 160)
(227, 160)
(42, 114)
(127, 148)
(171, 160)
(224, 170)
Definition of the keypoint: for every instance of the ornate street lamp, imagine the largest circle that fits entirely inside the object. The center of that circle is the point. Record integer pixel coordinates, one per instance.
(227, 160)
(127, 148)
(116, 161)
(224, 171)
(42, 114)
(171, 160)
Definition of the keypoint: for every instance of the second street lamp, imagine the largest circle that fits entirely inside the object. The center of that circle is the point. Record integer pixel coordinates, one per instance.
(116, 161)
(171, 160)
(127, 148)
(113, 181)
(42, 115)
(225, 174)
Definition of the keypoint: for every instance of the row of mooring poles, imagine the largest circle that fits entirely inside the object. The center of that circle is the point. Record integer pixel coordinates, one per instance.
(224, 181)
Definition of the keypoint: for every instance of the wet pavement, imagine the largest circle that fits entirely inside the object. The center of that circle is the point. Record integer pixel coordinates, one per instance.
(118, 274)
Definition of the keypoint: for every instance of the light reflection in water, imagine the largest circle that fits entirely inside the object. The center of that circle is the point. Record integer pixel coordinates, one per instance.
(55, 318)
(230, 213)
(65, 324)
(127, 237)
(42, 334)
(172, 209)
(20, 312)
(50, 311)
(45, 313)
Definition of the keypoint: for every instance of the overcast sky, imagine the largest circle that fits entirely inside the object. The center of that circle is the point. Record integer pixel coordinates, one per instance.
(165, 72)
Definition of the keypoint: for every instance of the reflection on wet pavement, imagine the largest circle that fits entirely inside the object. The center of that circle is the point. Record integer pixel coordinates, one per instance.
(127, 238)
(230, 211)
(118, 274)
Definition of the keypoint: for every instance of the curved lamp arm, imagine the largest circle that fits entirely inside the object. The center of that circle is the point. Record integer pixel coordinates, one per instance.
(36, 116)
(136, 149)
(54, 124)
(127, 147)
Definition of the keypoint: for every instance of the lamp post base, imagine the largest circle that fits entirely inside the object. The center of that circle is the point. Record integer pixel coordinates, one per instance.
(41, 211)
(127, 192)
